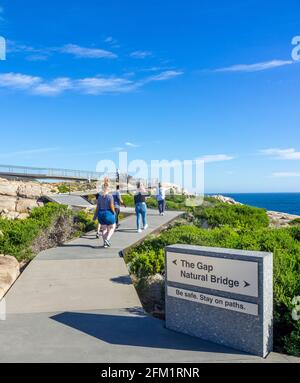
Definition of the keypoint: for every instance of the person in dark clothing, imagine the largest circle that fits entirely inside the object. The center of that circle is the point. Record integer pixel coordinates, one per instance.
(141, 207)
(161, 199)
(99, 232)
(118, 202)
(105, 213)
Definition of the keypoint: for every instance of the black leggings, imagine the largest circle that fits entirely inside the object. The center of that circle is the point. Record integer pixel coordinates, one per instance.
(162, 206)
(117, 213)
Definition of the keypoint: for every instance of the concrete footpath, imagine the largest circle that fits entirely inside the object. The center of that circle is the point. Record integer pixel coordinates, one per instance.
(76, 303)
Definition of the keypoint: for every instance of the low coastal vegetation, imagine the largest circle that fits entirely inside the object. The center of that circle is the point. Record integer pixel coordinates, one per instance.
(295, 221)
(47, 226)
(240, 227)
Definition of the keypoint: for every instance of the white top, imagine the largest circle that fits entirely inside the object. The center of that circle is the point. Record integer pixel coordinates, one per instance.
(161, 194)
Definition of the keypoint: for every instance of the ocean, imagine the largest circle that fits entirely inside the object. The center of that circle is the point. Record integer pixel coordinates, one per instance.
(282, 202)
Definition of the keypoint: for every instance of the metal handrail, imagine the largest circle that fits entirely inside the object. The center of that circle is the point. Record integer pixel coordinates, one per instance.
(51, 172)
(29, 171)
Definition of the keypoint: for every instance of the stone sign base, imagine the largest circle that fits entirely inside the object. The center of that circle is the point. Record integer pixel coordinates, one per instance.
(228, 318)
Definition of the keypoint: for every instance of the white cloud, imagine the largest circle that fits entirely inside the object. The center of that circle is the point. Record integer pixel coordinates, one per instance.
(37, 57)
(18, 81)
(131, 145)
(100, 85)
(90, 85)
(282, 154)
(82, 52)
(216, 158)
(256, 67)
(34, 54)
(14, 47)
(54, 87)
(72, 49)
(113, 42)
(156, 69)
(166, 75)
(286, 174)
(109, 39)
(140, 54)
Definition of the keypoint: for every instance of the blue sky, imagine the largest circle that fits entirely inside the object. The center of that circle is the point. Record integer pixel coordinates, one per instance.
(160, 79)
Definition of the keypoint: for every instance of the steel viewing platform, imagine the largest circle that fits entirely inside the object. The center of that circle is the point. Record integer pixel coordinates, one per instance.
(48, 173)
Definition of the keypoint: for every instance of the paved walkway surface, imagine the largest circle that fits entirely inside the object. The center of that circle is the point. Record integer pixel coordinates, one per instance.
(76, 303)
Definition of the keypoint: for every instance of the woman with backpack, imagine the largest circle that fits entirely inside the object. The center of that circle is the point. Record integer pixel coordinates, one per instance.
(105, 212)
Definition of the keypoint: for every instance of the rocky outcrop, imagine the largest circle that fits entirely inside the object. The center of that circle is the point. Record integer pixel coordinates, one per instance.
(8, 188)
(151, 293)
(31, 190)
(9, 272)
(24, 205)
(278, 219)
(228, 200)
(18, 198)
(8, 203)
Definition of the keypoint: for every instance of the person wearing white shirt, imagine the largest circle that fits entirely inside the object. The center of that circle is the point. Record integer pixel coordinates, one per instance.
(161, 199)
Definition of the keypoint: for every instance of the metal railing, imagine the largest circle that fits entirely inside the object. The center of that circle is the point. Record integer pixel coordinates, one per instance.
(68, 174)
(26, 171)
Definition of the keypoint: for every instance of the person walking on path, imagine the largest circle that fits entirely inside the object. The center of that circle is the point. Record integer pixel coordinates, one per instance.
(141, 207)
(105, 213)
(99, 233)
(161, 199)
(118, 202)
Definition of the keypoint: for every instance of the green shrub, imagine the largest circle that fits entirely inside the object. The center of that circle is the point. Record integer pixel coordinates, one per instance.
(295, 232)
(292, 343)
(63, 189)
(143, 265)
(172, 205)
(85, 221)
(45, 215)
(128, 199)
(18, 235)
(92, 198)
(295, 222)
(173, 202)
(151, 203)
(211, 200)
(176, 198)
(237, 216)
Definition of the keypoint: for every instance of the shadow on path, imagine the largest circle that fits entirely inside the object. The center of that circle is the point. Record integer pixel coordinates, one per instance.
(131, 230)
(136, 330)
(123, 280)
(79, 245)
